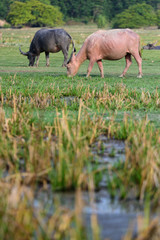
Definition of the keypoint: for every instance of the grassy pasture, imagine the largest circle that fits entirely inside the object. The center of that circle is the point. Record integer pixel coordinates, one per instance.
(48, 123)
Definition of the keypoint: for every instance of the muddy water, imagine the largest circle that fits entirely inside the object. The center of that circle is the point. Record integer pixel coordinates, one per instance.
(114, 217)
(108, 150)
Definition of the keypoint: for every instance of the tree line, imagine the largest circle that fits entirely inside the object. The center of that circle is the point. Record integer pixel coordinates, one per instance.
(120, 13)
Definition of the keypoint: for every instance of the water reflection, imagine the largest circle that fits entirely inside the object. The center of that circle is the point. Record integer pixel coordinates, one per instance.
(114, 217)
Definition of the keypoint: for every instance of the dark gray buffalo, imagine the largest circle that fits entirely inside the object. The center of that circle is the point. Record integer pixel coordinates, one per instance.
(48, 40)
(151, 46)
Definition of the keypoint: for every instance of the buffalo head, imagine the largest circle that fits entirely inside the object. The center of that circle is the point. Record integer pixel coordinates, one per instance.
(72, 66)
(31, 56)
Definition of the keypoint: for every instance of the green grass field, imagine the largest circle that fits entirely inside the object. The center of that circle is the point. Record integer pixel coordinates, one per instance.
(30, 80)
(48, 123)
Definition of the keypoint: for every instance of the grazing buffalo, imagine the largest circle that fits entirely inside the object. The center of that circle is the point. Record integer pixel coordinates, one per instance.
(151, 46)
(107, 45)
(48, 40)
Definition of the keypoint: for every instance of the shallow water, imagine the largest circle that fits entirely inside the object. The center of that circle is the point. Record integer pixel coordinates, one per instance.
(114, 217)
(109, 150)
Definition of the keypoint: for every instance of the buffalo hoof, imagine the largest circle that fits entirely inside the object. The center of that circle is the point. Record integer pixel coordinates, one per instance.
(121, 76)
(139, 76)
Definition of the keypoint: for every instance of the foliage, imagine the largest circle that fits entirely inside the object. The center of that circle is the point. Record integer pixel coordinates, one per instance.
(74, 8)
(45, 2)
(138, 15)
(101, 21)
(158, 18)
(6, 25)
(86, 10)
(34, 13)
(20, 13)
(121, 5)
(4, 7)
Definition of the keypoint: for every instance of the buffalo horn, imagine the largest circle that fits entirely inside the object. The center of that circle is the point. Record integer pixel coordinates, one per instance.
(70, 57)
(25, 54)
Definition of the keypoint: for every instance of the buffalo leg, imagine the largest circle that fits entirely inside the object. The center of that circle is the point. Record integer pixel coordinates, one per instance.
(65, 53)
(100, 65)
(47, 58)
(128, 63)
(37, 60)
(139, 62)
(90, 66)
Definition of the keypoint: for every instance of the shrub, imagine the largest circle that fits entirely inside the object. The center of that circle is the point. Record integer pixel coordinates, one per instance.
(158, 18)
(101, 21)
(20, 14)
(6, 25)
(34, 13)
(136, 16)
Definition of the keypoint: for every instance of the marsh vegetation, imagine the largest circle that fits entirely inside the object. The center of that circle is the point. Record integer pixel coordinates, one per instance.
(55, 133)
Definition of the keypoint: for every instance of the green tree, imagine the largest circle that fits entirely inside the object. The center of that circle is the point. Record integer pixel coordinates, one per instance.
(34, 13)
(74, 8)
(85, 9)
(48, 2)
(158, 18)
(136, 16)
(20, 14)
(118, 6)
(4, 8)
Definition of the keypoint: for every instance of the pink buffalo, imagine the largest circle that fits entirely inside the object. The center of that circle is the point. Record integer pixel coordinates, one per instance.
(108, 45)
